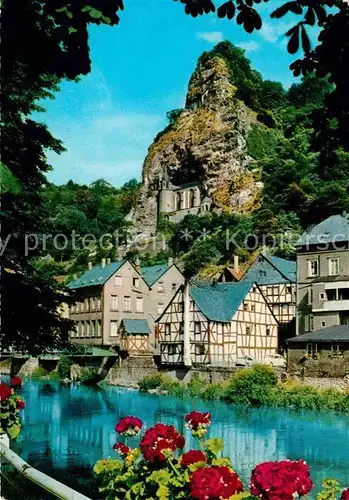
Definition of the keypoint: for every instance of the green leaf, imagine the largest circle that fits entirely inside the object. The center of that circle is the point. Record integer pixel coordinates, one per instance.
(106, 19)
(69, 14)
(87, 8)
(96, 14)
(214, 445)
(159, 477)
(72, 30)
(8, 182)
(226, 462)
(163, 492)
(13, 431)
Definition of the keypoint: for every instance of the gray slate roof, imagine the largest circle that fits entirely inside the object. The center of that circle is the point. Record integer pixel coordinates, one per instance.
(98, 275)
(136, 326)
(220, 301)
(329, 334)
(269, 270)
(333, 229)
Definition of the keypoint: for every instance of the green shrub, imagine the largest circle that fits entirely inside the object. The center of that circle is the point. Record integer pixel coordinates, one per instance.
(251, 385)
(214, 391)
(89, 376)
(172, 386)
(196, 386)
(39, 372)
(150, 382)
(63, 367)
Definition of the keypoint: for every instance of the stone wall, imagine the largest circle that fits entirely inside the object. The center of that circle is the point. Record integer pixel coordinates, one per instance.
(325, 365)
(128, 372)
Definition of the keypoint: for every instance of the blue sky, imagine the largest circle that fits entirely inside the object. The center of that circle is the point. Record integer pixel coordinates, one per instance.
(140, 70)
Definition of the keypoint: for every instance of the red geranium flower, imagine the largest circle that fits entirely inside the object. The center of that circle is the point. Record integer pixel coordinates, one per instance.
(121, 448)
(214, 483)
(16, 382)
(159, 438)
(197, 420)
(192, 457)
(345, 494)
(281, 480)
(5, 392)
(129, 426)
(20, 404)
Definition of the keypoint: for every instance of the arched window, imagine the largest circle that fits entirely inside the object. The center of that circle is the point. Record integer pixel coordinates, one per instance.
(178, 201)
(191, 198)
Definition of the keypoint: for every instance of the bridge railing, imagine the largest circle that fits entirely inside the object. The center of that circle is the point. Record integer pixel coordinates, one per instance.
(46, 482)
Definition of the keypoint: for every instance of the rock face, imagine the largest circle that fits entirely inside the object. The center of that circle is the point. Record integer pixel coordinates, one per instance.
(206, 143)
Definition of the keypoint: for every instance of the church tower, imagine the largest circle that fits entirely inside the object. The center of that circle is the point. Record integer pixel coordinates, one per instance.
(166, 204)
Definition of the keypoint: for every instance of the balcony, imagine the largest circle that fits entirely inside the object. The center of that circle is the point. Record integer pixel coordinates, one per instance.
(334, 299)
(333, 305)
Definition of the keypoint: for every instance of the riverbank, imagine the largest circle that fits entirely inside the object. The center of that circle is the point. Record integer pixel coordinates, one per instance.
(256, 386)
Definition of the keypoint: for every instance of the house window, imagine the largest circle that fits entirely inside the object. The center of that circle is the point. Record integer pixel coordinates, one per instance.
(200, 349)
(269, 290)
(309, 323)
(323, 324)
(268, 332)
(253, 307)
(92, 303)
(248, 330)
(333, 267)
(87, 305)
(98, 328)
(311, 349)
(113, 328)
(167, 328)
(114, 302)
(276, 309)
(118, 281)
(313, 268)
(139, 304)
(174, 287)
(275, 290)
(197, 328)
(254, 289)
(92, 328)
(98, 303)
(136, 282)
(160, 287)
(160, 308)
(289, 289)
(127, 303)
(180, 307)
(310, 296)
(173, 349)
(322, 296)
(246, 306)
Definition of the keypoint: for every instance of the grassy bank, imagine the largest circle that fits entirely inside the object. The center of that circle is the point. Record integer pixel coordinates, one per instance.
(256, 386)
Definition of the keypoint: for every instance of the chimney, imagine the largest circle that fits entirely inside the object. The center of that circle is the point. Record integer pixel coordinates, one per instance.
(89, 265)
(170, 262)
(103, 262)
(236, 263)
(108, 261)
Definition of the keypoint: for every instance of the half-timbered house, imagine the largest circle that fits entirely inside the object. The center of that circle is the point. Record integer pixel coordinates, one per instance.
(276, 278)
(214, 324)
(134, 336)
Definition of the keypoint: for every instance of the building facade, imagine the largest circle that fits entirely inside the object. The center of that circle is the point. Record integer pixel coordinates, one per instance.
(214, 324)
(109, 294)
(276, 279)
(323, 275)
(175, 202)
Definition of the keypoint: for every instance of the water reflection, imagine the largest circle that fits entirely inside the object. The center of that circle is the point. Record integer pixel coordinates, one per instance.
(66, 429)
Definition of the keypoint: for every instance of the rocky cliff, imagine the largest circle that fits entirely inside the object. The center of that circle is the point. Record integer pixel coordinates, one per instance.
(204, 142)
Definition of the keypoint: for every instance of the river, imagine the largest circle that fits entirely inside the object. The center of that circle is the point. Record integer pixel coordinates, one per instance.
(66, 429)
